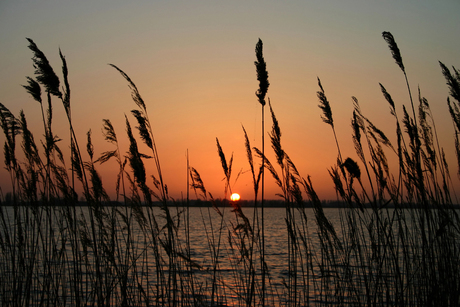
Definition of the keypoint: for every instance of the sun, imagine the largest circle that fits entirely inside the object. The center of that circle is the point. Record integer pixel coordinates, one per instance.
(235, 197)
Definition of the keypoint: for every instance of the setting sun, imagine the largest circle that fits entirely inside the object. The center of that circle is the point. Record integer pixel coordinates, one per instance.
(235, 197)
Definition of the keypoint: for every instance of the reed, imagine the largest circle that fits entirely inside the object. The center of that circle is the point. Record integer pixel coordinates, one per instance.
(396, 241)
(262, 77)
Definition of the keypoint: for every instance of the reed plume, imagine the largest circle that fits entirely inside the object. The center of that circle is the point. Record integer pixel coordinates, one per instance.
(45, 73)
(109, 134)
(452, 82)
(262, 77)
(275, 137)
(262, 74)
(325, 106)
(34, 89)
(136, 163)
(65, 74)
(197, 183)
(255, 177)
(454, 109)
(388, 97)
(388, 37)
(134, 91)
(146, 133)
(227, 167)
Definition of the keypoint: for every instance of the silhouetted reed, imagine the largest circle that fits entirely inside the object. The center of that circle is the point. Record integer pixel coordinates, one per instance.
(396, 241)
(262, 77)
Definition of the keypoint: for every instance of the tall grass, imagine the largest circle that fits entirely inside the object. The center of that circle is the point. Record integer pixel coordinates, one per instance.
(396, 243)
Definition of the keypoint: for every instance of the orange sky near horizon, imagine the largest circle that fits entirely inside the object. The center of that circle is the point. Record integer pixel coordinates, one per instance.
(193, 63)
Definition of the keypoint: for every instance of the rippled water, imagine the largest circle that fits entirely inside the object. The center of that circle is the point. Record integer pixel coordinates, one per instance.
(207, 230)
(40, 260)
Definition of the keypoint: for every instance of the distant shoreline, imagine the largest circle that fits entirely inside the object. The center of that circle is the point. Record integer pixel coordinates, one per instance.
(243, 203)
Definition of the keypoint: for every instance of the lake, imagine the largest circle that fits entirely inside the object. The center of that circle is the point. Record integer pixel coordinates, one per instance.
(143, 256)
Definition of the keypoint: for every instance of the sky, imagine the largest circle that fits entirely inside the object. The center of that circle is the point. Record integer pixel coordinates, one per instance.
(193, 63)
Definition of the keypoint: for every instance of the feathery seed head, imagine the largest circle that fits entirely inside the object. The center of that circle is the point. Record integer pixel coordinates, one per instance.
(352, 168)
(356, 124)
(89, 145)
(325, 106)
(387, 97)
(108, 131)
(135, 157)
(275, 137)
(134, 91)
(262, 74)
(388, 37)
(454, 113)
(143, 128)
(65, 73)
(222, 159)
(248, 151)
(44, 71)
(34, 89)
(197, 182)
(76, 162)
(452, 82)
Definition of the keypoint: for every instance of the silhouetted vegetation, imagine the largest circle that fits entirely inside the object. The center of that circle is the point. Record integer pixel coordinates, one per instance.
(397, 242)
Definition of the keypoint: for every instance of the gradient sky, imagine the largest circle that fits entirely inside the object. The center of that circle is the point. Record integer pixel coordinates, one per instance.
(193, 63)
